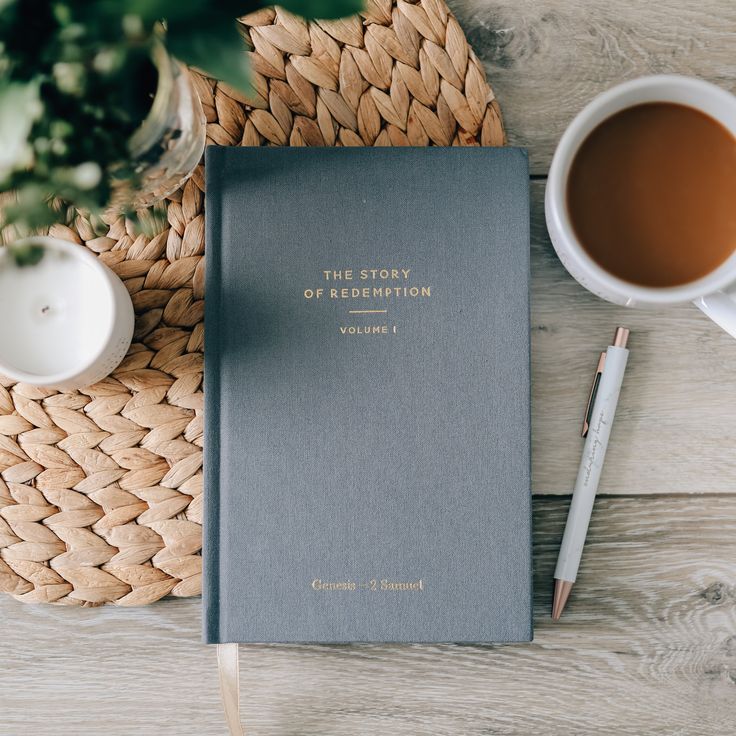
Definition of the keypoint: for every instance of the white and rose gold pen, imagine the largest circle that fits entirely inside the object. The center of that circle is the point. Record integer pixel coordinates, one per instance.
(596, 429)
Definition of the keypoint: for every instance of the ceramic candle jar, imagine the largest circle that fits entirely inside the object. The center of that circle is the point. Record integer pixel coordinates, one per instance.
(65, 322)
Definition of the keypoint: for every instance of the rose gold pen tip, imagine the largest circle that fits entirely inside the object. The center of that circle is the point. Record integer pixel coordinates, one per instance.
(559, 599)
(621, 337)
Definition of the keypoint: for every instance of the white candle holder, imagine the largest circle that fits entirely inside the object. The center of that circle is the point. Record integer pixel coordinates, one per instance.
(65, 322)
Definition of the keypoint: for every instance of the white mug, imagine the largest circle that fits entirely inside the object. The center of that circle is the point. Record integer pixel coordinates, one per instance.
(714, 293)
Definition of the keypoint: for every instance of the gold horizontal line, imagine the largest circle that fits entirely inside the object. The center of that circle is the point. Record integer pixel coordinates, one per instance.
(367, 311)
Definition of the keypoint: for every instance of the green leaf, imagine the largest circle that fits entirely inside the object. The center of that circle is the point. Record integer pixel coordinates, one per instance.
(151, 10)
(27, 255)
(216, 47)
(323, 9)
(20, 107)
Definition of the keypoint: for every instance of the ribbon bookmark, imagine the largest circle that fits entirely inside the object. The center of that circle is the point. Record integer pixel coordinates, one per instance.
(229, 669)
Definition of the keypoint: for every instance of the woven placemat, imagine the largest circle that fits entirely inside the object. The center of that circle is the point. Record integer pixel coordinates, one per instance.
(101, 489)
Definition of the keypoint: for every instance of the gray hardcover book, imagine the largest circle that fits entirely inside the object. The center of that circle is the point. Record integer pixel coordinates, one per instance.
(367, 446)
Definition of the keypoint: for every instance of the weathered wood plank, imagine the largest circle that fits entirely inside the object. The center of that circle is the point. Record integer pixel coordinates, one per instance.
(647, 647)
(675, 429)
(547, 59)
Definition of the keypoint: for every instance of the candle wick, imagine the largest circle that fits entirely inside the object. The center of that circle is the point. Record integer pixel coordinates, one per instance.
(46, 309)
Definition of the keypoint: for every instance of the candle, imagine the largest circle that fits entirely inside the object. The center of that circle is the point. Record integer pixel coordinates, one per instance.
(66, 322)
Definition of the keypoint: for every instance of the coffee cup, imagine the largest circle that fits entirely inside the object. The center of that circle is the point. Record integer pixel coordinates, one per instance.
(715, 292)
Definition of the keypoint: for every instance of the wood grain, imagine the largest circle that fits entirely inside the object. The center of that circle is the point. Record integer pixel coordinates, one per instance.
(675, 429)
(647, 647)
(547, 59)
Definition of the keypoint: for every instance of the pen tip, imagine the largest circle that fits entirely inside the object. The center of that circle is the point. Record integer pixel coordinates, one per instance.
(559, 599)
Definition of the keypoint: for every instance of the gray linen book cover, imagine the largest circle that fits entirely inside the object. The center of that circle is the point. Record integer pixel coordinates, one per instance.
(367, 451)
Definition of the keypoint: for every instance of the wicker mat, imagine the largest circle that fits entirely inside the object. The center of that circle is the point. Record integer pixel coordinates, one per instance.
(101, 490)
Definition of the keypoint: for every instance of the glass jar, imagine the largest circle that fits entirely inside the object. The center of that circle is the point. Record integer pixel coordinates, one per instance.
(168, 145)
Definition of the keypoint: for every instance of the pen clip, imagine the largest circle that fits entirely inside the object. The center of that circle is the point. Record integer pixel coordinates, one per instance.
(592, 395)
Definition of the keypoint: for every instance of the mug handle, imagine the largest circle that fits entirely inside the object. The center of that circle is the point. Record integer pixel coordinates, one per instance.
(720, 306)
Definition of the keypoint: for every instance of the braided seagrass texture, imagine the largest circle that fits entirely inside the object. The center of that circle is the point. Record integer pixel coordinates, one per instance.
(101, 489)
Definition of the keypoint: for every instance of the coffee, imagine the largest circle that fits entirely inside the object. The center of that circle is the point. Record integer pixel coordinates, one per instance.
(651, 194)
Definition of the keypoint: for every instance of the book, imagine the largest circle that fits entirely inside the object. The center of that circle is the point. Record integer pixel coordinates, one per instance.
(367, 441)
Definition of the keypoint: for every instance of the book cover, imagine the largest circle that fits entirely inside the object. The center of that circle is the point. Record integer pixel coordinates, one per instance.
(367, 446)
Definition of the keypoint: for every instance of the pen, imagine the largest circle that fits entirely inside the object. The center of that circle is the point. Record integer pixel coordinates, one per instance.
(597, 423)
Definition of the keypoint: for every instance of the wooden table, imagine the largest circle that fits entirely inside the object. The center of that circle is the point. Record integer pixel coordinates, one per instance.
(648, 642)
